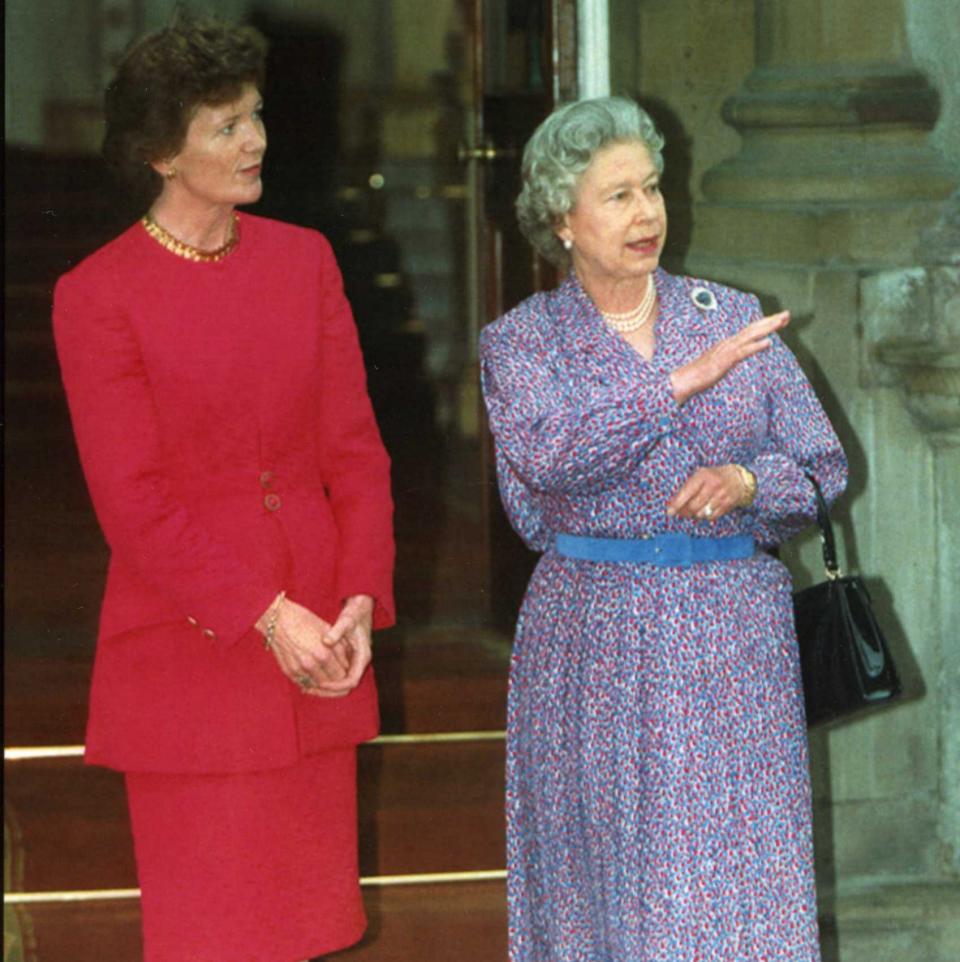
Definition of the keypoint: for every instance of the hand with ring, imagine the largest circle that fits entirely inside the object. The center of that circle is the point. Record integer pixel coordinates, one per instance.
(709, 494)
(319, 666)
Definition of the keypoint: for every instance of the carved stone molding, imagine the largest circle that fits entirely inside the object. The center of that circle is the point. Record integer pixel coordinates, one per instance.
(931, 383)
(833, 134)
(835, 96)
(941, 244)
(912, 325)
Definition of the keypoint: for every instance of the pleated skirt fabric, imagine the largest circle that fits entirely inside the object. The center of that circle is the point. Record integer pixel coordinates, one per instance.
(252, 867)
(658, 791)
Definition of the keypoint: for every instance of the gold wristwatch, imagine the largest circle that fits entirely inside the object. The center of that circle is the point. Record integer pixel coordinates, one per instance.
(749, 481)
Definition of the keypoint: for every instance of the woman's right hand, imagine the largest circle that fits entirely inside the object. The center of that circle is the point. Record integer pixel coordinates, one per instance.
(714, 364)
(300, 645)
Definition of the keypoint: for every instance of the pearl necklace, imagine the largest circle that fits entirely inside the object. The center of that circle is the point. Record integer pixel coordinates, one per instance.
(165, 239)
(635, 319)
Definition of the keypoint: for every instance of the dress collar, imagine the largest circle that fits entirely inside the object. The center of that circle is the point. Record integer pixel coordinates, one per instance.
(679, 313)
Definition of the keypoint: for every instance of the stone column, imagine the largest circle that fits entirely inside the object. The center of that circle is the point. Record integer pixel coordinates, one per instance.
(826, 210)
(833, 115)
(831, 112)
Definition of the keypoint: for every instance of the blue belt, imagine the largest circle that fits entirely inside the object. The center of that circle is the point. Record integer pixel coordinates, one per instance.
(673, 549)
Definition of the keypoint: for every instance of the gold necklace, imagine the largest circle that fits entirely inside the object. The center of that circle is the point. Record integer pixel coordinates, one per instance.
(165, 239)
(635, 319)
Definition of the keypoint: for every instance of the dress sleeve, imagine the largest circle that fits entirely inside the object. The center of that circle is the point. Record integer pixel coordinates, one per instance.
(523, 511)
(558, 431)
(115, 424)
(356, 466)
(800, 441)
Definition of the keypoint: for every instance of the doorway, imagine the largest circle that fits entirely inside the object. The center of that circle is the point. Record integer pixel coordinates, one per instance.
(408, 159)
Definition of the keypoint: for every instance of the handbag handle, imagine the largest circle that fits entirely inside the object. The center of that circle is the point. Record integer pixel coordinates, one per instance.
(827, 542)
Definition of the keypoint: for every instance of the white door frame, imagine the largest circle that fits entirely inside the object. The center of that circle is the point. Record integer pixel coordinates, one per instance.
(593, 48)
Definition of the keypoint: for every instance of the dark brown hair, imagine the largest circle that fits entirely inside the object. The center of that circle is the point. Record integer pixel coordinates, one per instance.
(161, 81)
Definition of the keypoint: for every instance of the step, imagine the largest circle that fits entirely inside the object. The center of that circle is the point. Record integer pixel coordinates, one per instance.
(442, 678)
(45, 695)
(444, 581)
(41, 259)
(438, 680)
(36, 416)
(420, 923)
(424, 808)
(59, 189)
(28, 306)
(46, 496)
(417, 923)
(44, 201)
(30, 355)
(54, 570)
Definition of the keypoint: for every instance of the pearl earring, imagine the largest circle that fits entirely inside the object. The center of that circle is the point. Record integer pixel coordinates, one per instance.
(171, 173)
(567, 244)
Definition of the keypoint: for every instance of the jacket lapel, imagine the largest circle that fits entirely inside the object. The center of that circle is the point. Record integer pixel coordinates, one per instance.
(683, 332)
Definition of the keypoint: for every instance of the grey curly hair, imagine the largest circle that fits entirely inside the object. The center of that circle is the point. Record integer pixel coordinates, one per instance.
(559, 152)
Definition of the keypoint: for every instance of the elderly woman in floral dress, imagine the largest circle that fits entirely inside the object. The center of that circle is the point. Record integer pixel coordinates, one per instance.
(653, 436)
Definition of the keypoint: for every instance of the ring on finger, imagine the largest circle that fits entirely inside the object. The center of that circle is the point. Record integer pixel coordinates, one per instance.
(304, 681)
(708, 510)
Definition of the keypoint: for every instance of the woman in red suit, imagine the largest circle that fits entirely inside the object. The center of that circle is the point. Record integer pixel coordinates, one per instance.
(218, 398)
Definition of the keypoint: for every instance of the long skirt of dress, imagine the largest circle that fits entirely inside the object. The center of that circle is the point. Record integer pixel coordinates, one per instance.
(258, 867)
(658, 796)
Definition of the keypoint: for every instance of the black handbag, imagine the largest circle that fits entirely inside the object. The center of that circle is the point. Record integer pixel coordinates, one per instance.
(844, 658)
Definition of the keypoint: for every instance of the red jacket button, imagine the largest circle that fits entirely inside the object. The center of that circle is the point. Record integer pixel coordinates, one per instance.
(272, 502)
(266, 479)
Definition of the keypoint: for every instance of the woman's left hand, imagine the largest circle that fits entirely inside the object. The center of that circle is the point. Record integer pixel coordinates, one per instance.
(709, 493)
(352, 630)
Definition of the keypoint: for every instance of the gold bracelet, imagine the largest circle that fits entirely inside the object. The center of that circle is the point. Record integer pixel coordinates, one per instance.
(749, 481)
(272, 620)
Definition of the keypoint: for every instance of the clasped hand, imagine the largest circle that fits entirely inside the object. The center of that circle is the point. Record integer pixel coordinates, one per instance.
(325, 660)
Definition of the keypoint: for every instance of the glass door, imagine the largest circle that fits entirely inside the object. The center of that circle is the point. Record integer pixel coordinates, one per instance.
(399, 135)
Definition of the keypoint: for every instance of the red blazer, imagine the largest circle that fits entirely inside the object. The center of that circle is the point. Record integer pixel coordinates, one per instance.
(222, 419)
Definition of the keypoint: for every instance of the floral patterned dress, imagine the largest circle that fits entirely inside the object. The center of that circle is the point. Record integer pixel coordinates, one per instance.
(658, 793)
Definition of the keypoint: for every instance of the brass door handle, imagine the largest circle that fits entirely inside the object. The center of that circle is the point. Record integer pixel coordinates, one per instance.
(488, 153)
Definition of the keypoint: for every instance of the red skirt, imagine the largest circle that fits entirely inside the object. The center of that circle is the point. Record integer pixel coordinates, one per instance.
(258, 867)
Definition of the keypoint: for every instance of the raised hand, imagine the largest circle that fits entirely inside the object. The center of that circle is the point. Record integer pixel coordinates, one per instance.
(715, 363)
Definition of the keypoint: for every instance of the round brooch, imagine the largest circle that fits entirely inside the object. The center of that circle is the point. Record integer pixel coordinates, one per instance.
(704, 298)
